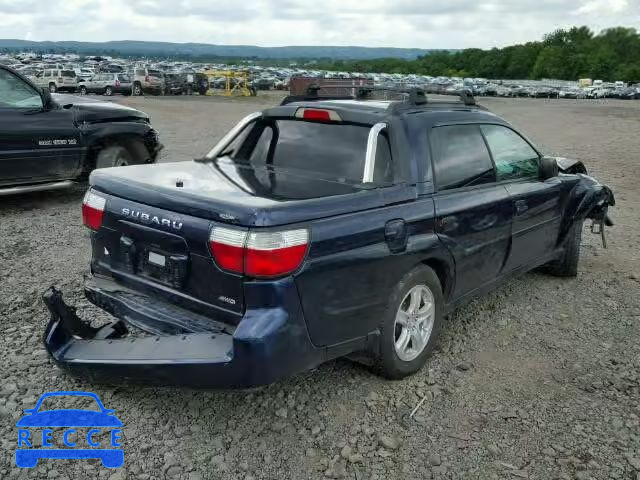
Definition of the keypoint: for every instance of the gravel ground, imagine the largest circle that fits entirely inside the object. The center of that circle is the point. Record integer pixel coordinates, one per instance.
(540, 379)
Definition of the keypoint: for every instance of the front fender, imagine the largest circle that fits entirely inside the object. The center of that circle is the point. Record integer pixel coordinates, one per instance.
(98, 134)
(587, 199)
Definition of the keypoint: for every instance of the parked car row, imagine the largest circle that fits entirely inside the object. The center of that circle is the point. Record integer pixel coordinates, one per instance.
(67, 73)
(141, 81)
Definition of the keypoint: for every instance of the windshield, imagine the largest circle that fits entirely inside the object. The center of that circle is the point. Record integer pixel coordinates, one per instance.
(66, 402)
(330, 151)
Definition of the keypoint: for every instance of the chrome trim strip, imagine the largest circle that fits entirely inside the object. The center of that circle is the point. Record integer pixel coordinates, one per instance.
(372, 147)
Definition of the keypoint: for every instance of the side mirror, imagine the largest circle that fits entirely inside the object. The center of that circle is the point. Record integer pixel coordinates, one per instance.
(548, 168)
(47, 101)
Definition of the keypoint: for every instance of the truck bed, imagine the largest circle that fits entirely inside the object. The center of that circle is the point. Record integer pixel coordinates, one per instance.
(226, 192)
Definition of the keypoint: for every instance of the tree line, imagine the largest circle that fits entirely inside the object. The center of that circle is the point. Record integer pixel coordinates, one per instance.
(611, 55)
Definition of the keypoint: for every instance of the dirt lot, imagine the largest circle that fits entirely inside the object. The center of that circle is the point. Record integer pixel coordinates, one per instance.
(539, 380)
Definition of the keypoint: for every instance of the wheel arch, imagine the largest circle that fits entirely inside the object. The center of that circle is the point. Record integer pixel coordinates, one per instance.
(445, 273)
(133, 142)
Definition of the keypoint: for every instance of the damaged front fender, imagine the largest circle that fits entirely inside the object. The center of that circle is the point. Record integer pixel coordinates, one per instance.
(588, 199)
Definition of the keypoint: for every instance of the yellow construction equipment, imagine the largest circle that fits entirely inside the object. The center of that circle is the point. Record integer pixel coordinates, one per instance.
(236, 83)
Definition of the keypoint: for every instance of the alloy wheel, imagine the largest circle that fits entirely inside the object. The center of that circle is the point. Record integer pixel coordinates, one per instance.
(414, 323)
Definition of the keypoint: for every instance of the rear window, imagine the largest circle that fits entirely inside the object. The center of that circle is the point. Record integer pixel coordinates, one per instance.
(333, 152)
(67, 73)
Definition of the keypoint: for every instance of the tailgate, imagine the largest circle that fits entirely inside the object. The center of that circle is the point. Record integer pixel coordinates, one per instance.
(166, 256)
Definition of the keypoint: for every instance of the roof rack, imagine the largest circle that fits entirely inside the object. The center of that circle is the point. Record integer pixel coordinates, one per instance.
(413, 96)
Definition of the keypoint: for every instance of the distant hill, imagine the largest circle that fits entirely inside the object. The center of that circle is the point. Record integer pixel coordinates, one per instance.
(130, 48)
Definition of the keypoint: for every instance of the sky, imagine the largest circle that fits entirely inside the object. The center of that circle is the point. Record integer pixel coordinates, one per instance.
(372, 23)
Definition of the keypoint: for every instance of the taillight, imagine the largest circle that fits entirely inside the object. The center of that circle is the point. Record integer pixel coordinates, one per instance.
(60, 80)
(259, 254)
(117, 83)
(272, 254)
(146, 78)
(92, 210)
(227, 247)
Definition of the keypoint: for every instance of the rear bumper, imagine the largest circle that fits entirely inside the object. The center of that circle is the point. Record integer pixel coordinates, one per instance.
(268, 344)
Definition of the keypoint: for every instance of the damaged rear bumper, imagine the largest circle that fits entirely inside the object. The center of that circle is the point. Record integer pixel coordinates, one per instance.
(267, 345)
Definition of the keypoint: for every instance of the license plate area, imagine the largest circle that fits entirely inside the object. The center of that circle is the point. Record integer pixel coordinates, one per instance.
(165, 267)
(157, 259)
(151, 261)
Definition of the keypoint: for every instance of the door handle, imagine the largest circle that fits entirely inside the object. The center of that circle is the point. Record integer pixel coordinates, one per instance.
(521, 206)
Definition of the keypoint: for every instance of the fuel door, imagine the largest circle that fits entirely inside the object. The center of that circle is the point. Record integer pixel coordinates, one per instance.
(396, 235)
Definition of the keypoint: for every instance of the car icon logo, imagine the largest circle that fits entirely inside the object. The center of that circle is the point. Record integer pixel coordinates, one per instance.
(81, 431)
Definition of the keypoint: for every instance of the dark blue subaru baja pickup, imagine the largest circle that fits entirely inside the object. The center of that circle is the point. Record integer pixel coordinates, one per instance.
(313, 230)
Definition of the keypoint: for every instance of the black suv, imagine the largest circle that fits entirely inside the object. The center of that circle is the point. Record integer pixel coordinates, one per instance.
(48, 141)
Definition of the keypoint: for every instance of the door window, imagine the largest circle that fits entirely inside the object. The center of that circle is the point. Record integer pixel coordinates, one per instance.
(460, 157)
(16, 93)
(512, 154)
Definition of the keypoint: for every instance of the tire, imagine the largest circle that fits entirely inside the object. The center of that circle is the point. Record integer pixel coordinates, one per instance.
(114, 156)
(567, 265)
(83, 90)
(137, 89)
(108, 91)
(393, 361)
(53, 88)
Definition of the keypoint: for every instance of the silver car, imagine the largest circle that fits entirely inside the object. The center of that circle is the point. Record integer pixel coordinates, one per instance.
(106, 84)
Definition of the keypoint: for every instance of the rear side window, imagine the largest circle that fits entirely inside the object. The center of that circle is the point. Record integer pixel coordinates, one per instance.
(124, 78)
(513, 156)
(460, 157)
(330, 151)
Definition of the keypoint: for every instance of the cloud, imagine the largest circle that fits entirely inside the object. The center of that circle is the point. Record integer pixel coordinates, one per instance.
(600, 8)
(399, 23)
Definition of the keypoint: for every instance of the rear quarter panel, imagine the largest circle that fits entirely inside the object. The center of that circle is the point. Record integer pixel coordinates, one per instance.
(350, 272)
